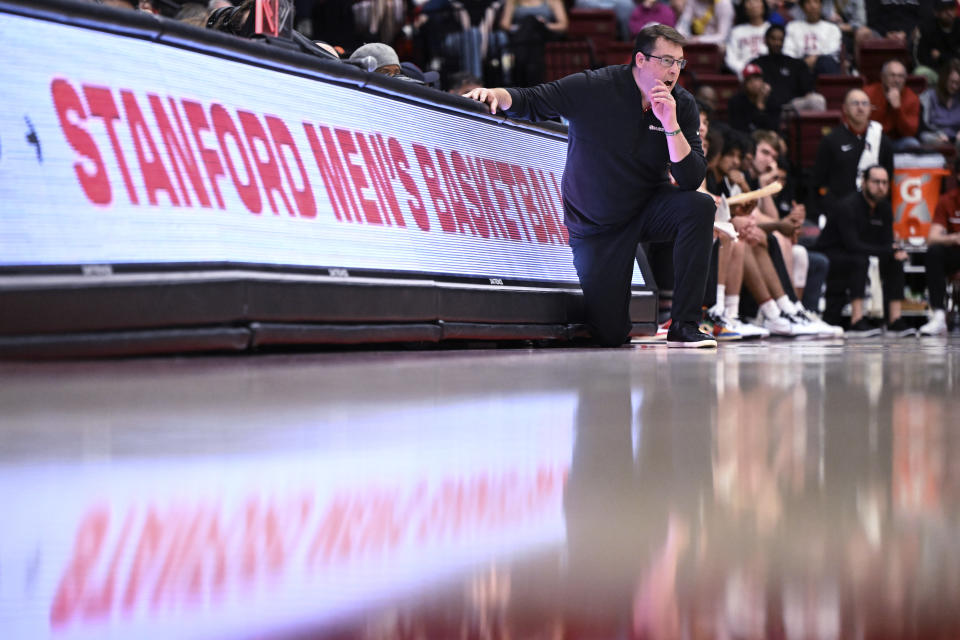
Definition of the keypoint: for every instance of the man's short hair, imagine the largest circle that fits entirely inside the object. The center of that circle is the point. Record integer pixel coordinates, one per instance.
(734, 140)
(846, 96)
(647, 39)
(892, 61)
(705, 110)
(865, 175)
(772, 138)
(774, 27)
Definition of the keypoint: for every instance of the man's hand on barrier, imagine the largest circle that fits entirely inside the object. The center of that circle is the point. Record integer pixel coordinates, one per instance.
(493, 97)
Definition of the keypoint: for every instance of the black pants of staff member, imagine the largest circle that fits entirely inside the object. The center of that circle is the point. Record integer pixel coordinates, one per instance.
(604, 261)
(848, 280)
(941, 260)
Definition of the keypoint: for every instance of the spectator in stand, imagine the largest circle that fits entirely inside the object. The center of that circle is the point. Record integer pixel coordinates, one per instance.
(647, 11)
(943, 256)
(384, 60)
(747, 109)
(746, 40)
(815, 40)
(851, 17)
(166, 8)
(236, 20)
(707, 21)
(939, 40)
(941, 107)
(790, 80)
(783, 11)
(623, 9)
(855, 144)
(193, 13)
(894, 19)
(859, 226)
(895, 105)
(531, 24)
(705, 94)
(462, 82)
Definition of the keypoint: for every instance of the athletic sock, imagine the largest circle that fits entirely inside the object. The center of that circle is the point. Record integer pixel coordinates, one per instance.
(770, 310)
(786, 305)
(732, 304)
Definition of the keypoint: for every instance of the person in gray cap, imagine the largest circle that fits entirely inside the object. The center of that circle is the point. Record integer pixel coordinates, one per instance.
(386, 59)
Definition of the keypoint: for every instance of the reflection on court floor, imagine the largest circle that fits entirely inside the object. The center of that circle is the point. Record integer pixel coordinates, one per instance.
(762, 491)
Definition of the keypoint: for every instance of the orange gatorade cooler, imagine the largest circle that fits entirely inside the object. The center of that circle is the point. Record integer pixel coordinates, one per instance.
(915, 191)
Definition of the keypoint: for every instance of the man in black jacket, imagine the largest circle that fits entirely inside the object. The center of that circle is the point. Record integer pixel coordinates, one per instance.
(838, 156)
(748, 108)
(894, 19)
(939, 37)
(631, 128)
(790, 79)
(859, 226)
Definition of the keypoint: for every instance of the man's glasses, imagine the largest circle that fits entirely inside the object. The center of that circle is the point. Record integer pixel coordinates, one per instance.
(667, 61)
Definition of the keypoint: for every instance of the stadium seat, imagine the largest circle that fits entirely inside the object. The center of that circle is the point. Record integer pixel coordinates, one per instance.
(917, 83)
(875, 52)
(835, 87)
(804, 131)
(726, 85)
(597, 25)
(702, 58)
(617, 53)
(564, 58)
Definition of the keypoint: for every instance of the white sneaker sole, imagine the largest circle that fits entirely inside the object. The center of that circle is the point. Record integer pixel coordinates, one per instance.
(699, 344)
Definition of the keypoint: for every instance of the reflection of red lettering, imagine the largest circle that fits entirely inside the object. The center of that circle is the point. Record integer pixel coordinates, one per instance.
(415, 201)
(211, 159)
(190, 555)
(262, 152)
(103, 106)
(155, 177)
(179, 151)
(328, 533)
(86, 551)
(100, 602)
(225, 128)
(331, 171)
(440, 203)
(146, 558)
(349, 149)
(96, 183)
(284, 141)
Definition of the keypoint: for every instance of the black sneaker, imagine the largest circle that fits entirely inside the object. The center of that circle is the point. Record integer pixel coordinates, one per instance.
(687, 335)
(901, 329)
(863, 328)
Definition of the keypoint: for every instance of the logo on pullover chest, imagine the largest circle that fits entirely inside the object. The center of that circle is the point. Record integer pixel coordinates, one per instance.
(846, 147)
